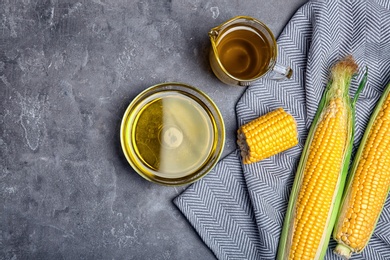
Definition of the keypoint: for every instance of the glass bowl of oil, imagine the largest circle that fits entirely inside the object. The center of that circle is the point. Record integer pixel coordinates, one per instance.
(172, 134)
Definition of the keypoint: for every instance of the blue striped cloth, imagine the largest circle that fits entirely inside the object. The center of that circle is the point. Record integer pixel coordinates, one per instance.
(238, 210)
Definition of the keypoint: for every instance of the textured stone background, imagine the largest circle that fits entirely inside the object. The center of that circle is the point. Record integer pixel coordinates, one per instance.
(68, 70)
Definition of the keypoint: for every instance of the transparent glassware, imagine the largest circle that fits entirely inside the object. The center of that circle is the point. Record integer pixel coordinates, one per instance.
(250, 40)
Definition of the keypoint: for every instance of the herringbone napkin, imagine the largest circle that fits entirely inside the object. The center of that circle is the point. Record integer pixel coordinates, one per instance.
(237, 209)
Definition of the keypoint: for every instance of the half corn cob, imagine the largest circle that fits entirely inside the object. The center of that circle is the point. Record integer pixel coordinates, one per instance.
(368, 184)
(267, 135)
(321, 173)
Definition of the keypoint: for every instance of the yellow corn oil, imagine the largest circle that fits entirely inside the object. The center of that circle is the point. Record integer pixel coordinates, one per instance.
(244, 52)
(173, 134)
(170, 136)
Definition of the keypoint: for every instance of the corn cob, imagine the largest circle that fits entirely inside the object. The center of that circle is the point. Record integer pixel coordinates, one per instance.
(267, 135)
(322, 170)
(368, 184)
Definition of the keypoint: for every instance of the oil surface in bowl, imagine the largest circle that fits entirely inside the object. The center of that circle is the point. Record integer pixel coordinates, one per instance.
(172, 135)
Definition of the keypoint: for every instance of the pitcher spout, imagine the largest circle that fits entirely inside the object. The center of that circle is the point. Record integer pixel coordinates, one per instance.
(213, 34)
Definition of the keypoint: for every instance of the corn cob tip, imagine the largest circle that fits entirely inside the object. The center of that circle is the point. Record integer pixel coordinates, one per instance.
(343, 251)
(345, 68)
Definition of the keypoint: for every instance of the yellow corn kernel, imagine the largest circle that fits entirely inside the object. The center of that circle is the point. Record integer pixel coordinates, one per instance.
(369, 187)
(266, 136)
(320, 178)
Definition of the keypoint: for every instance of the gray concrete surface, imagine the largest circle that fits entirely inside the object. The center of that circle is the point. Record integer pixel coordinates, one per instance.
(68, 70)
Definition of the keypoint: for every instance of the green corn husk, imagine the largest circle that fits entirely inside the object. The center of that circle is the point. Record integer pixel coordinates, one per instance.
(338, 86)
(342, 248)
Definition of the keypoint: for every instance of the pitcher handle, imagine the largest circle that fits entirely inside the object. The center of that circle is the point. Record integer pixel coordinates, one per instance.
(280, 72)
